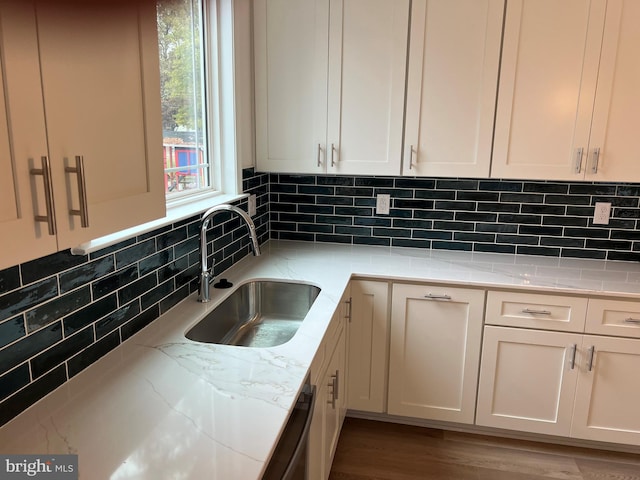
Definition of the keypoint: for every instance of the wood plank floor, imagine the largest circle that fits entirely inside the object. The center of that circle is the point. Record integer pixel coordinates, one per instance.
(386, 451)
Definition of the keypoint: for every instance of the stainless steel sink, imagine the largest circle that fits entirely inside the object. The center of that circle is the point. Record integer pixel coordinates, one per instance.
(261, 313)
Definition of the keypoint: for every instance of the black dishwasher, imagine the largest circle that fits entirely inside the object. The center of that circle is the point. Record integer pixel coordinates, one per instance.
(289, 458)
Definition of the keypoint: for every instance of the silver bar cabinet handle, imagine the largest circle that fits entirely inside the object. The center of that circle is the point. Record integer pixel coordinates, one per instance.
(434, 296)
(50, 217)
(536, 312)
(411, 157)
(319, 150)
(632, 320)
(333, 149)
(572, 362)
(578, 160)
(83, 211)
(334, 387)
(595, 159)
(349, 305)
(590, 356)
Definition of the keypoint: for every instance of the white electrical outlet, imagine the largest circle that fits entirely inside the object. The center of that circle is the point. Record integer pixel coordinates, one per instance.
(252, 205)
(383, 203)
(601, 213)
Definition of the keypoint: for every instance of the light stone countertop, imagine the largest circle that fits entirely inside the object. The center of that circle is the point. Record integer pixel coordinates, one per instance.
(161, 406)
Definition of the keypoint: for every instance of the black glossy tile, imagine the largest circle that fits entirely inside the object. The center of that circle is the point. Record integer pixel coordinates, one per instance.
(316, 190)
(27, 297)
(625, 256)
(462, 246)
(411, 243)
(493, 248)
(476, 217)
(543, 251)
(522, 198)
(9, 279)
(354, 211)
(322, 200)
(446, 184)
(86, 273)
(436, 194)
(354, 191)
(171, 238)
(61, 352)
(615, 235)
(173, 299)
(498, 186)
(301, 179)
(497, 227)
(156, 294)
(186, 247)
(544, 209)
(383, 182)
(90, 354)
(478, 196)
(116, 280)
(586, 232)
(562, 242)
(417, 204)
(568, 199)
(627, 212)
(540, 230)
(29, 395)
(433, 214)
(631, 202)
(137, 288)
(29, 346)
(334, 238)
(432, 235)
(321, 209)
(334, 219)
(89, 314)
(372, 221)
(391, 232)
(297, 217)
(543, 187)
(283, 188)
(355, 231)
(172, 269)
(11, 330)
(564, 221)
(474, 237)
(498, 207)
(608, 244)
(628, 190)
(520, 218)
(460, 226)
(592, 189)
(379, 241)
(116, 319)
(337, 180)
(155, 261)
(583, 253)
(49, 312)
(50, 265)
(304, 237)
(365, 202)
(421, 183)
(138, 323)
(14, 380)
(413, 223)
(394, 192)
(454, 205)
(517, 239)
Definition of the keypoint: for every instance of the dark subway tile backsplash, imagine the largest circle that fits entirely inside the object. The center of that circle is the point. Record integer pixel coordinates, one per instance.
(61, 313)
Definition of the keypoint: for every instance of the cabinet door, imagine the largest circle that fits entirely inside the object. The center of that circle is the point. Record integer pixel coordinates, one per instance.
(527, 380)
(334, 410)
(451, 86)
(99, 63)
(547, 86)
(368, 345)
(291, 62)
(617, 103)
(608, 394)
(367, 65)
(434, 352)
(23, 140)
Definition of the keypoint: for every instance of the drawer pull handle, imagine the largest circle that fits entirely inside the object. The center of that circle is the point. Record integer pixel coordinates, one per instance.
(319, 151)
(572, 362)
(536, 312)
(632, 320)
(334, 389)
(349, 307)
(83, 211)
(592, 352)
(578, 161)
(434, 296)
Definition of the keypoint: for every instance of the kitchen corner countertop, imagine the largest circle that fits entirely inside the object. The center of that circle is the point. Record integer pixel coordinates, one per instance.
(161, 406)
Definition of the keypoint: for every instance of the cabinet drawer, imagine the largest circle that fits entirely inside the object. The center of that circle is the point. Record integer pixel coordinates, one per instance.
(531, 310)
(613, 317)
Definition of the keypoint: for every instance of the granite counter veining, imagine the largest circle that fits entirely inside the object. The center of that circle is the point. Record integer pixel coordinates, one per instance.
(161, 406)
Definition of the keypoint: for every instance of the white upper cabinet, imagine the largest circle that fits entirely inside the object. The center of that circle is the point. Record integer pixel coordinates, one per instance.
(291, 64)
(613, 154)
(330, 78)
(79, 94)
(547, 87)
(451, 87)
(568, 91)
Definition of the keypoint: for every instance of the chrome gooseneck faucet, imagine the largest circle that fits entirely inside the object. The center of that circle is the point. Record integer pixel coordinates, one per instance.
(207, 217)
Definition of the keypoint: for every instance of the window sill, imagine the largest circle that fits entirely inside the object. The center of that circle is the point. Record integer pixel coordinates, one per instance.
(174, 214)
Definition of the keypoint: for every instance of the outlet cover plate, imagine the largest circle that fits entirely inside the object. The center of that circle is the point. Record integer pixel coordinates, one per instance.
(602, 213)
(383, 203)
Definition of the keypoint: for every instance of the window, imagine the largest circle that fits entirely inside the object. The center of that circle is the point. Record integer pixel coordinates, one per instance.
(181, 40)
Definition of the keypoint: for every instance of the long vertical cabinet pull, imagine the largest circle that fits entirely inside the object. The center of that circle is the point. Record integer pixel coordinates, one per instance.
(50, 217)
(572, 355)
(411, 151)
(318, 159)
(578, 160)
(592, 351)
(333, 149)
(595, 159)
(83, 211)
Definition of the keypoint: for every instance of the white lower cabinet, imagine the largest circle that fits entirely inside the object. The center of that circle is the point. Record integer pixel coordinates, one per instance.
(608, 391)
(328, 374)
(567, 384)
(368, 345)
(527, 380)
(434, 352)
